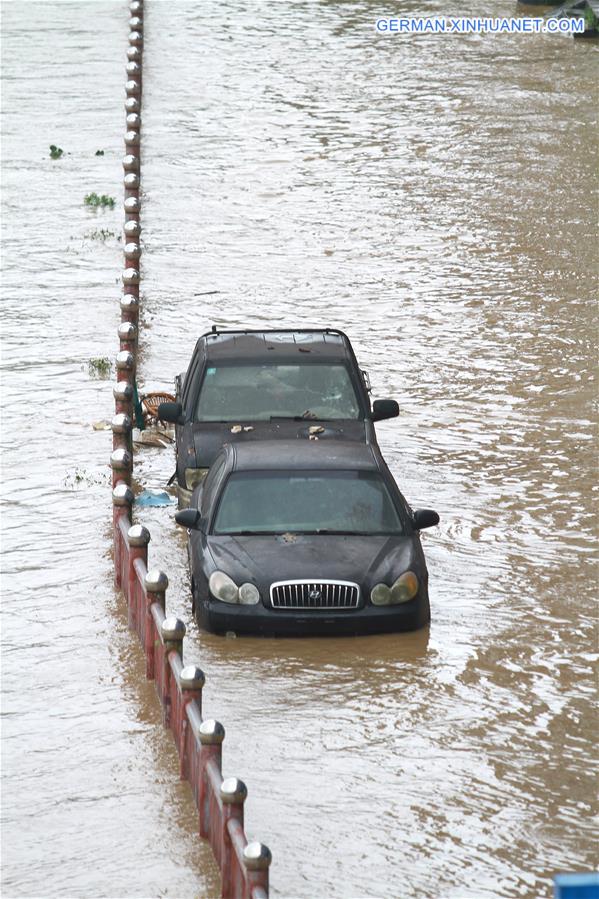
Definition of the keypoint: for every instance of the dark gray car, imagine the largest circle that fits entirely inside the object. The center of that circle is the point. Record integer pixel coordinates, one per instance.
(298, 537)
(268, 385)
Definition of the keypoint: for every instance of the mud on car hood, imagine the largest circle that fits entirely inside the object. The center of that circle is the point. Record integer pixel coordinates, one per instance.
(208, 437)
(361, 559)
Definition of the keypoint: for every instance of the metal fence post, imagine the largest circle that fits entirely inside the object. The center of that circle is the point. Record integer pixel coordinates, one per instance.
(122, 502)
(129, 308)
(125, 364)
(123, 398)
(156, 584)
(211, 734)
(233, 793)
(138, 537)
(173, 632)
(121, 464)
(121, 432)
(257, 858)
(127, 332)
(191, 681)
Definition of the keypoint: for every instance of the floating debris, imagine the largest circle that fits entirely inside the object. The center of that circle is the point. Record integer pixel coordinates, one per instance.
(101, 426)
(316, 429)
(80, 477)
(99, 234)
(152, 437)
(151, 498)
(55, 152)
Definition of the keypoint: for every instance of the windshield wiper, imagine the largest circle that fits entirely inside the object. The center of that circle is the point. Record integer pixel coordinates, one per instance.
(342, 533)
(296, 418)
(248, 534)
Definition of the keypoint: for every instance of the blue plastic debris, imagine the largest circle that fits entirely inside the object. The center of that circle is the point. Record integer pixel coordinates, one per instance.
(154, 498)
(576, 886)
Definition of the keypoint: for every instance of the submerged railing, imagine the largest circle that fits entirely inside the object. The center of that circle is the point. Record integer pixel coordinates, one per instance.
(244, 867)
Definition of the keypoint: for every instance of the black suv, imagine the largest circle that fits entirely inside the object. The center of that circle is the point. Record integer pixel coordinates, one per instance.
(264, 385)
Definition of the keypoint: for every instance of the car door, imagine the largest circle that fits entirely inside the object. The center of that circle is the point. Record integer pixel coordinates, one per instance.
(201, 560)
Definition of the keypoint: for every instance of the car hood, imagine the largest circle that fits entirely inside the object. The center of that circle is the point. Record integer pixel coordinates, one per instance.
(208, 437)
(363, 560)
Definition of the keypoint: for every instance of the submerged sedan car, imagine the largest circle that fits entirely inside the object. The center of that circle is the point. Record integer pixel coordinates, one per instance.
(264, 385)
(299, 537)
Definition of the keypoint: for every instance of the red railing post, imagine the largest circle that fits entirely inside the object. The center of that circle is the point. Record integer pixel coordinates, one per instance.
(131, 182)
(123, 398)
(129, 303)
(132, 103)
(211, 734)
(125, 361)
(121, 462)
(131, 276)
(233, 793)
(257, 858)
(127, 332)
(122, 501)
(131, 234)
(173, 631)
(156, 583)
(132, 148)
(138, 538)
(191, 681)
(122, 433)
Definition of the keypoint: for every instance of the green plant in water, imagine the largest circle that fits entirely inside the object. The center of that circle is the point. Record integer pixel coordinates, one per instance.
(95, 200)
(99, 152)
(100, 367)
(590, 20)
(55, 152)
(99, 234)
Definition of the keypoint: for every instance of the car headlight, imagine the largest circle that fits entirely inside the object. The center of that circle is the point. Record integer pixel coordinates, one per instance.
(402, 590)
(194, 476)
(224, 588)
(249, 595)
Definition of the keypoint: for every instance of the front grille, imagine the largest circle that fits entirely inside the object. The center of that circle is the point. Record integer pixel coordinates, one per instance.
(314, 595)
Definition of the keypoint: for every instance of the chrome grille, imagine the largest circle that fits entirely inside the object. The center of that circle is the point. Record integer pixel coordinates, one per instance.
(314, 595)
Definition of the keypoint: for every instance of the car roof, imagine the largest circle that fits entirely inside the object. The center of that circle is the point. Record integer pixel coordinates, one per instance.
(301, 454)
(309, 345)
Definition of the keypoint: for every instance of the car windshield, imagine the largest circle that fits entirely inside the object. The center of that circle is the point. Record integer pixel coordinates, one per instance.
(334, 502)
(260, 392)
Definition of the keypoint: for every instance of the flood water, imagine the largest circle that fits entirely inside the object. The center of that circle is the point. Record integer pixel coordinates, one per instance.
(431, 196)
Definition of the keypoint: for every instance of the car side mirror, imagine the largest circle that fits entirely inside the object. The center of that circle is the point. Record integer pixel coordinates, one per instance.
(382, 409)
(424, 518)
(172, 412)
(189, 518)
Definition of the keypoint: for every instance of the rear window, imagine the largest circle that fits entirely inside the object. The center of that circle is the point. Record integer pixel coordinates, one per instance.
(259, 392)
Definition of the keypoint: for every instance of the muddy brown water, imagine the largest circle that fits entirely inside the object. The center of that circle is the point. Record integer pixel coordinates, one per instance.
(431, 196)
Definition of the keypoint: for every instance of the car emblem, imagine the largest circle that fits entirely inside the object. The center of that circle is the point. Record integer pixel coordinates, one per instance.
(314, 594)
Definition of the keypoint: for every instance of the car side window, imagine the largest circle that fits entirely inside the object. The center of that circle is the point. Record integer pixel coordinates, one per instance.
(210, 484)
(190, 379)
